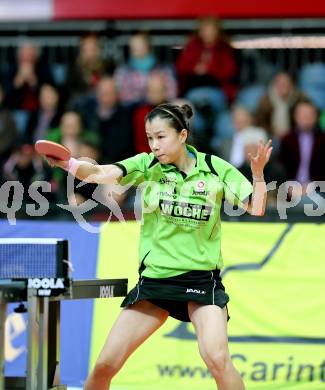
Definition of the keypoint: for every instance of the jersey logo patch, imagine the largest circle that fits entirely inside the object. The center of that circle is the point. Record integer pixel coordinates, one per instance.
(167, 180)
(200, 186)
(185, 210)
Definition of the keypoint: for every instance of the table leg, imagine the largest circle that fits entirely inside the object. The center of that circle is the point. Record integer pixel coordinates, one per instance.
(3, 315)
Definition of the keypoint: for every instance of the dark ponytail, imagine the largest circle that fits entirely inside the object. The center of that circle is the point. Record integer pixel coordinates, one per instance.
(187, 111)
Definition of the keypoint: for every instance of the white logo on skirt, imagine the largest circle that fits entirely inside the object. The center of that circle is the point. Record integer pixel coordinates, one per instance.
(195, 291)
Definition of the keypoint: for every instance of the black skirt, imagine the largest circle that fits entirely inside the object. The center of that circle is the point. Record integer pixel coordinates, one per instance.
(172, 294)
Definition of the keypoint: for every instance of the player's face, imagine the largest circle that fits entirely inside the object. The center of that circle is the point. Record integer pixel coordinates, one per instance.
(164, 141)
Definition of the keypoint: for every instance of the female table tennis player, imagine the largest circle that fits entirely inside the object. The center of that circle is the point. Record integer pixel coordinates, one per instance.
(180, 257)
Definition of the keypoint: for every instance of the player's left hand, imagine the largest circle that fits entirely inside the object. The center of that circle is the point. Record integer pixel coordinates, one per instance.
(259, 161)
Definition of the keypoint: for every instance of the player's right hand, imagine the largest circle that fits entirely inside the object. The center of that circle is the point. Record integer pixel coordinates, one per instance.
(53, 162)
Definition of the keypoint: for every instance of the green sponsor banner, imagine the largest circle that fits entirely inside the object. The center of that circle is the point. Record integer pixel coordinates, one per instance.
(274, 274)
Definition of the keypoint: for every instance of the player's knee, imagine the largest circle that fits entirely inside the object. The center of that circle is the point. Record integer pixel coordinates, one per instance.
(105, 370)
(217, 361)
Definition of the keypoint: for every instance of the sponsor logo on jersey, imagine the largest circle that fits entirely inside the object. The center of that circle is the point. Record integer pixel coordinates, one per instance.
(200, 188)
(168, 194)
(185, 210)
(170, 179)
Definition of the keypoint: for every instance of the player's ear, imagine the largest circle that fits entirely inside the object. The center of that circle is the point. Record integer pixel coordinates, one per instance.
(183, 135)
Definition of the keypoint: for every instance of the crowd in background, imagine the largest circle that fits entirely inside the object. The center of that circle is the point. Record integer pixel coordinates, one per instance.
(98, 109)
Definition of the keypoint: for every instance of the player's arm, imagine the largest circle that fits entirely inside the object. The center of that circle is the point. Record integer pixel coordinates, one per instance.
(256, 205)
(89, 172)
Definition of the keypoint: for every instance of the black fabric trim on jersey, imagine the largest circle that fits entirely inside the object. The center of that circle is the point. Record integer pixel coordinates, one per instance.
(142, 265)
(248, 199)
(121, 167)
(208, 160)
(153, 162)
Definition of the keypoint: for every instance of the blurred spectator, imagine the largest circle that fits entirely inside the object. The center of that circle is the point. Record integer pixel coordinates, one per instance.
(132, 78)
(208, 78)
(233, 149)
(103, 194)
(112, 122)
(25, 166)
(274, 110)
(302, 151)
(272, 171)
(69, 132)
(208, 60)
(88, 148)
(156, 94)
(8, 133)
(89, 67)
(25, 79)
(47, 117)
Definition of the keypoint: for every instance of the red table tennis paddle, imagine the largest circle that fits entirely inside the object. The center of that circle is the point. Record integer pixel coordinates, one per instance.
(52, 149)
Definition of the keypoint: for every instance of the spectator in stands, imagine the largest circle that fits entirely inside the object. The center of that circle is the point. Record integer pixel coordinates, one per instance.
(132, 78)
(274, 110)
(47, 117)
(302, 151)
(88, 148)
(25, 79)
(89, 68)
(25, 166)
(69, 132)
(103, 194)
(112, 121)
(273, 171)
(208, 77)
(8, 133)
(156, 94)
(208, 60)
(233, 149)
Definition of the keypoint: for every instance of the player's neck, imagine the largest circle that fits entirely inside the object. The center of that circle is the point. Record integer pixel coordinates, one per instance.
(185, 161)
